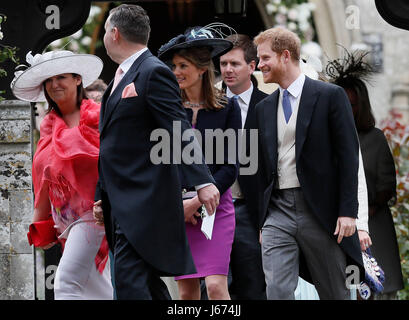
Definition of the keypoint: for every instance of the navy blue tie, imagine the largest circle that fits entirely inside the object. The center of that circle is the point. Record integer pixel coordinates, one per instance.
(286, 106)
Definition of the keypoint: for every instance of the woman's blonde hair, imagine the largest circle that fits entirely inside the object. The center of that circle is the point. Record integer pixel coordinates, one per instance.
(201, 58)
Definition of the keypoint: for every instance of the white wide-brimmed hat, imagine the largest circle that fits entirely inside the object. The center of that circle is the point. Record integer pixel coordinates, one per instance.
(28, 84)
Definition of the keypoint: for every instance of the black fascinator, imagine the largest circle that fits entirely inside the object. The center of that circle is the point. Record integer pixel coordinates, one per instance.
(350, 68)
(351, 72)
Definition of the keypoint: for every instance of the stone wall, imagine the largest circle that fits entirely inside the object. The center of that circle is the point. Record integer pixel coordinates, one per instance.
(390, 87)
(16, 201)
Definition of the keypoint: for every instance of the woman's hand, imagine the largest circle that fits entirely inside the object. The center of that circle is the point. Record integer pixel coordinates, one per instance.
(98, 213)
(43, 209)
(48, 246)
(210, 197)
(364, 239)
(190, 207)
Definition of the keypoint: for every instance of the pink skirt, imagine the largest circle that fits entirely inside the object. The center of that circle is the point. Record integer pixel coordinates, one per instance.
(213, 256)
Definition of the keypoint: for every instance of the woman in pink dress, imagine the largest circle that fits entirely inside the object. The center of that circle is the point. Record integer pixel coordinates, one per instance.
(190, 56)
(65, 170)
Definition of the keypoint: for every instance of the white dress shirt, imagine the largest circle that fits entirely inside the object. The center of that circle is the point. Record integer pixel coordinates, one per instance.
(128, 62)
(294, 90)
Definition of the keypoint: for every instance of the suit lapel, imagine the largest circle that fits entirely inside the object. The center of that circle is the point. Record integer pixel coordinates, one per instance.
(250, 111)
(270, 122)
(112, 101)
(104, 99)
(305, 110)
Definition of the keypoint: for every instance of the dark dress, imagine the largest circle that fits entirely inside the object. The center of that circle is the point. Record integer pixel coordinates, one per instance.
(381, 183)
(213, 256)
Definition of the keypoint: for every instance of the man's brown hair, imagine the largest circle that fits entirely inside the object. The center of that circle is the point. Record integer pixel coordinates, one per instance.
(132, 22)
(244, 43)
(281, 39)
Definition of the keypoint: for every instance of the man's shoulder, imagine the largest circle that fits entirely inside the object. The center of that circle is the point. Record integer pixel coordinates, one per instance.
(320, 85)
(152, 63)
(267, 99)
(152, 67)
(258, 95)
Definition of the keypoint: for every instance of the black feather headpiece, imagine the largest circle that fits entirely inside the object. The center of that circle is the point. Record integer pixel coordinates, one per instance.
(349, 68)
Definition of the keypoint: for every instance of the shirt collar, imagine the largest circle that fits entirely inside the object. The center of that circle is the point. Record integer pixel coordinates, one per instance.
(295, 88)
(245, 95)
(126, 65)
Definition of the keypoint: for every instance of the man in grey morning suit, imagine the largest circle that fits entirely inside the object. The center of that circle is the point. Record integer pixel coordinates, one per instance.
(308, 164)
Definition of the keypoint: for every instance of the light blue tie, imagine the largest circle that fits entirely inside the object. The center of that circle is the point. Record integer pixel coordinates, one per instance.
(286, 106)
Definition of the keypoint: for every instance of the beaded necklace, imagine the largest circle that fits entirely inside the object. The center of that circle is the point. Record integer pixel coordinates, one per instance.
(193, 105)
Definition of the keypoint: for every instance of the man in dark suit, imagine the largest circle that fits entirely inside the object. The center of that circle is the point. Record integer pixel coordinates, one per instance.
(247, 277)
(142, 201)
(308, 165)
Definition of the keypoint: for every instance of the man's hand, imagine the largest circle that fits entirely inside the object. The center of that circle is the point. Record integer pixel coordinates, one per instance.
(98, 213)
(210, 197)
(364, 239)
(345, 227)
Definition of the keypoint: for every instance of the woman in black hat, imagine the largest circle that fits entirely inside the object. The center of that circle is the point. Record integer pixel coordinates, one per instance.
(350, 73)
(190, 57)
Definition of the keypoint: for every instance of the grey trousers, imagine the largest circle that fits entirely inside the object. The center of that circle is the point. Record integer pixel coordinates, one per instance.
(289, 228)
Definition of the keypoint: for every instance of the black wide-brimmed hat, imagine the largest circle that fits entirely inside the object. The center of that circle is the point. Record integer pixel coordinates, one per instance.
(209, 36)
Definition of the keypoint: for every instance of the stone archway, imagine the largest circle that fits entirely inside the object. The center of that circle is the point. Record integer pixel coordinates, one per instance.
(390, 87)
(329, 18)
(171, 17)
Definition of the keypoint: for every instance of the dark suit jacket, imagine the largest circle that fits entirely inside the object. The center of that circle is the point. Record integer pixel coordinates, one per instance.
(248, 183)
(326, 147)
(144, 198)
(229, 117)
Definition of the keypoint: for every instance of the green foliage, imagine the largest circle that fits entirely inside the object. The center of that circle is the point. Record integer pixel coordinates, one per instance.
(84, 40)
(6, 53)
(397, 135)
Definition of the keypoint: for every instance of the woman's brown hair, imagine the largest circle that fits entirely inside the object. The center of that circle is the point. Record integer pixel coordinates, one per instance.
(201, 58)
(52, 105)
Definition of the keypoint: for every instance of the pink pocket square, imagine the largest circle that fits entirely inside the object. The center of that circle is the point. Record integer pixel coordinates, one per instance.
(129, 91)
